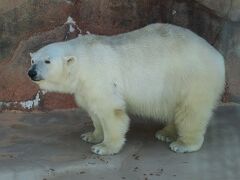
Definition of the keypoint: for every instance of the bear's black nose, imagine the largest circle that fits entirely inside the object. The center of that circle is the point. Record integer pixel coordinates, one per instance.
(32, 73)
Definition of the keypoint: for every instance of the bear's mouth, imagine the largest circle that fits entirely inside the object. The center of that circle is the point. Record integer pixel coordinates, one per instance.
(36, 79)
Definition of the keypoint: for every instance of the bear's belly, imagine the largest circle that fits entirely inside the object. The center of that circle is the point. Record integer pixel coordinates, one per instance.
(155, 108)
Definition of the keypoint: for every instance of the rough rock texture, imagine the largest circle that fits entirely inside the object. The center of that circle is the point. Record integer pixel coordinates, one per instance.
(26, 25)
(112, 17)
(58, 101)
(27, 18)
(232, 55)
(220, 7)
(234, 13)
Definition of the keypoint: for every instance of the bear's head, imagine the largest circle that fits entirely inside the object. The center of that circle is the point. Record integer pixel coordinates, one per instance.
(50, 68)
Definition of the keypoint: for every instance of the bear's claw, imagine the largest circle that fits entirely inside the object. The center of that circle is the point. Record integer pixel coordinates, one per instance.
(90, 138)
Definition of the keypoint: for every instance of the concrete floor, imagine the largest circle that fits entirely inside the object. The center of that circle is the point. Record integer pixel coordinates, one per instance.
(47, 146)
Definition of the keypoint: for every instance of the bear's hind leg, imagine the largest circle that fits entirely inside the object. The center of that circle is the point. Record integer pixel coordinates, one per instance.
(191, 125)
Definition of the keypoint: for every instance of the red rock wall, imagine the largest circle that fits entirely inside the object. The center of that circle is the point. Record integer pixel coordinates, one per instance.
(26, 25)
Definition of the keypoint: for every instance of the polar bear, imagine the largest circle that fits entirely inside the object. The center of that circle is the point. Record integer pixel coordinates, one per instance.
(162, 71)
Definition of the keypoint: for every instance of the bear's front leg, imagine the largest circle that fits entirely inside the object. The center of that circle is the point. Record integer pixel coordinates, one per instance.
(115, 124)
(97, 135)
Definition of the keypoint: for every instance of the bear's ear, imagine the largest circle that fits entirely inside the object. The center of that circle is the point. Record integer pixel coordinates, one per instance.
(69, 59)
(31, 55)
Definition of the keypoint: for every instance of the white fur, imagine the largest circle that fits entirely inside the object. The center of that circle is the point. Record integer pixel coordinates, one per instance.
(161, 71)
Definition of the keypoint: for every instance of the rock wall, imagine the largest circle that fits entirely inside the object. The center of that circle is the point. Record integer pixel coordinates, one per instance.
(26, 25)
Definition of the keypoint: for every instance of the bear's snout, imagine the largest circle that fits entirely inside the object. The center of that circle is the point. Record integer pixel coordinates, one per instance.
(32, 74)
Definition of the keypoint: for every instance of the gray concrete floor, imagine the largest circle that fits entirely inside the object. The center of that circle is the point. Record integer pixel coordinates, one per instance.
(47, 146)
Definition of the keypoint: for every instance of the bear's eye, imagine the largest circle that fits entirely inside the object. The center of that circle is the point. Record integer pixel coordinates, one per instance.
(32, 61)
(47, 62)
